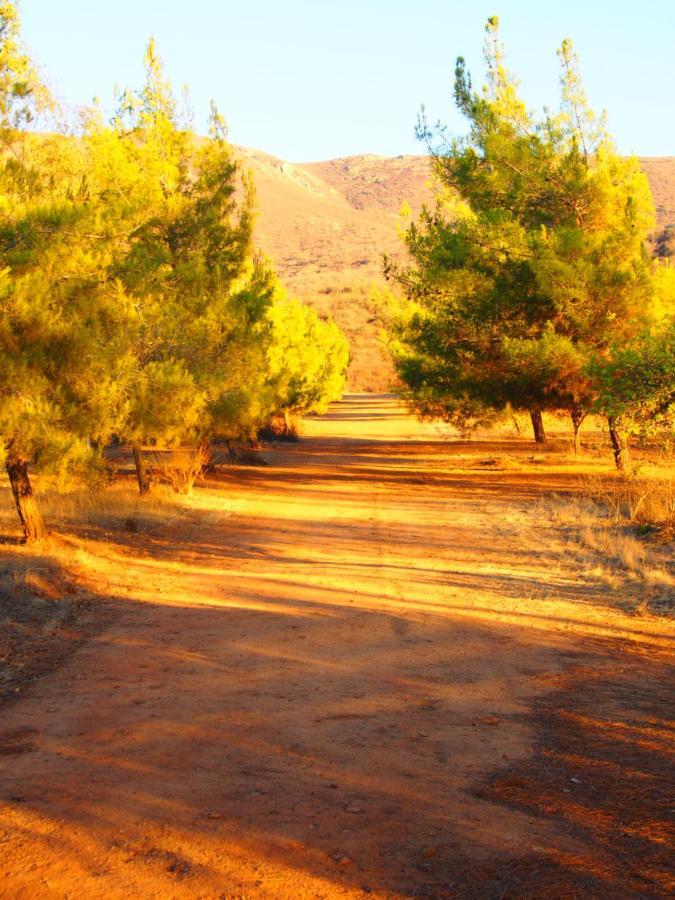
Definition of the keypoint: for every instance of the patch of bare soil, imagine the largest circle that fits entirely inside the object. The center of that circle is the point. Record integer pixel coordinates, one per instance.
(358, 671)
(603, 767)
(44, 618)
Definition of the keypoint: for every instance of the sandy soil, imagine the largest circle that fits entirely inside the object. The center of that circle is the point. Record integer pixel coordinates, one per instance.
(361, 670)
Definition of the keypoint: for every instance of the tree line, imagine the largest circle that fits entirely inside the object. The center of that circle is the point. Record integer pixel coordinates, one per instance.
(133, 304)
(530, 285)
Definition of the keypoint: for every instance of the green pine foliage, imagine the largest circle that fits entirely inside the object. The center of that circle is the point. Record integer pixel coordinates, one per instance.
(307, 359)
(533, 263)
(63, 357)
(636, 381)
(132, 301)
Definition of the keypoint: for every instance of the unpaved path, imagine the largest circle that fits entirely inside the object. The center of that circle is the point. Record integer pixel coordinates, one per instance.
(355, 672)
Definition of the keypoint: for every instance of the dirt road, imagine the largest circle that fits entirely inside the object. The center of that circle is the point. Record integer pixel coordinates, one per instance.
(358, 671)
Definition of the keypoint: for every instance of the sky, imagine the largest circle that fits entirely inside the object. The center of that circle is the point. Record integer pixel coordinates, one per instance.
(309, 80)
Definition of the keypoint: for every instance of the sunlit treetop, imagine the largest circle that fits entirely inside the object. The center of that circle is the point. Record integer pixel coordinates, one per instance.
(22, 94)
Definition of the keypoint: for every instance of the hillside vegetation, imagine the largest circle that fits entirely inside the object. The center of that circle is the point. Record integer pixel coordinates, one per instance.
(327, 225)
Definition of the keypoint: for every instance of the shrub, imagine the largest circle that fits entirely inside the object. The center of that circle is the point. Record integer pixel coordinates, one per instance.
(180, 468)
(638, 500)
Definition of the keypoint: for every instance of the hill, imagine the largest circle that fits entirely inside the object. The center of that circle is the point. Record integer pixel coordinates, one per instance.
(661, 173)
(327, 225)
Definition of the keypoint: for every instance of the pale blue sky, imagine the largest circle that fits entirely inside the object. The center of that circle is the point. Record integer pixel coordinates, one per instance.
(309, 80)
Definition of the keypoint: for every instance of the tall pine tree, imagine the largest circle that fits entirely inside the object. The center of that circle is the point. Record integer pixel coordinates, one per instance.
(533, 261)
(62, 324)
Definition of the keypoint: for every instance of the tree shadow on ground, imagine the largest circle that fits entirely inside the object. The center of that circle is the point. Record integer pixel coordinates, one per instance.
(341, 701)
(247, 736)
(603, 769)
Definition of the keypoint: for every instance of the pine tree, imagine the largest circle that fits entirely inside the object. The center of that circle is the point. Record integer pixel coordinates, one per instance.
(307, 360)
(201, 295)
(537, 268)
(62, 359)
(635, 380)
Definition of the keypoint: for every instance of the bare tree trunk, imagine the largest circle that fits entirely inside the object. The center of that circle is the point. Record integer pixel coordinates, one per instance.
(31, 519)
(515, 424)
(620, 447)
(141, 471)
(538, 426)
(577, 415)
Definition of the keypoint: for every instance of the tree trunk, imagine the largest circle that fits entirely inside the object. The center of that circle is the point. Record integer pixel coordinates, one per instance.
(620, 447)
(287, 423)
(141, 471)
(538, 426)
(31, 520)
(578, 415)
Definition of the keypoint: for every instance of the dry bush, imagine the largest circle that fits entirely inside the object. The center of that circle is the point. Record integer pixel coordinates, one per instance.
(626, 552)
(277, 428)
(637, 500)
(605, 546)
(179, 468)
(109, 507)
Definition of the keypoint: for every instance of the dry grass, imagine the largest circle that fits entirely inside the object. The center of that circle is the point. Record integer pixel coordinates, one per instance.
(178, 468)
(639, 500)
(608, 538)
(37, 599)
(40, 592)
(117, 506)
(617, 531)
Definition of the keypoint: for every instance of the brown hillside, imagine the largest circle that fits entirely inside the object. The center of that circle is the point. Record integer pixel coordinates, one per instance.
(327, 225)
(661, 173)
(334, 216)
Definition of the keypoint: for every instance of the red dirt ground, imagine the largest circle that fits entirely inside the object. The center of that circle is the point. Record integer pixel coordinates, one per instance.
(362, 670)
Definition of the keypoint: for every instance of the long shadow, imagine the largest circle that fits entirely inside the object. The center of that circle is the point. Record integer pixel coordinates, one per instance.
(390, 466)
(603, 767)
(286, 734)
(303, 754)
(42, 618)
